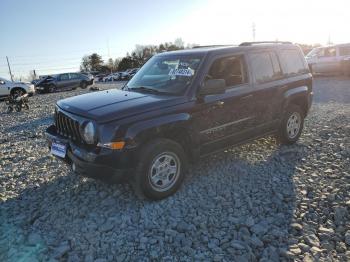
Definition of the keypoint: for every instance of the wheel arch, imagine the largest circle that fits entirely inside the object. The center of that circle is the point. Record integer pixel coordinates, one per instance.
(297, 96)
(173, 127)
(13, 89)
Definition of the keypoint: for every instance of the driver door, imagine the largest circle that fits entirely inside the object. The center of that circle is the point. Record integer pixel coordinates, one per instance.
(225, 119)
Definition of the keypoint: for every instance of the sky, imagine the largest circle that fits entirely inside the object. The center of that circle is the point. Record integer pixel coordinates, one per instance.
(52, 36)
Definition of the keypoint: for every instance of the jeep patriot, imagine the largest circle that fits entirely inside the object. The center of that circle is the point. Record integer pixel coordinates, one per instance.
(180, 106)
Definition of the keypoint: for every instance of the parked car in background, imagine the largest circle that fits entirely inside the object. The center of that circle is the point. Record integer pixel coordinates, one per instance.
(66, 81)
(123, 75)
(132, 72)
(90, 76)
(15, 88)
(111, 77)
(181, 106)
(99, 77)
(329, 59)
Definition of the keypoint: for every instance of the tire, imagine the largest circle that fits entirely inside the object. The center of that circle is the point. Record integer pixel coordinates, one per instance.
(9, 109)
(16, 92)
(292, 125)
(52, 88)
(83, 85)
(161, 169)
(18, 108)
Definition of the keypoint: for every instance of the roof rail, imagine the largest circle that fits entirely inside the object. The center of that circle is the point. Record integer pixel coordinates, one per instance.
(206, 46)
(264, 42)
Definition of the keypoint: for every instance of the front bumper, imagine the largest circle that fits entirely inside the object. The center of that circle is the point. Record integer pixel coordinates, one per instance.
(105, 164)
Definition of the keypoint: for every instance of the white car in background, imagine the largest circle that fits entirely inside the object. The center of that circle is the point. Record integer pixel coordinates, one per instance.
(329, 59)
(111, 77)
(15, 88)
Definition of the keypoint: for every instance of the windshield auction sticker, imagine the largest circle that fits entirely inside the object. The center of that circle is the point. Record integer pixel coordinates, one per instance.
(181, 72)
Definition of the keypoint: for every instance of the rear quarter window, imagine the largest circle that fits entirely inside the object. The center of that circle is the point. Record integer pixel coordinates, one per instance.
(344, 51)
(292, 62)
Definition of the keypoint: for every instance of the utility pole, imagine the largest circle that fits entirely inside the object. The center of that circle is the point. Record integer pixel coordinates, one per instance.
(253, 29)
(8, 64)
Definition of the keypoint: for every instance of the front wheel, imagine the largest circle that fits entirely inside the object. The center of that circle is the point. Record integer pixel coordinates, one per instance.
(83, 85)
(292, 125)
(161, 169)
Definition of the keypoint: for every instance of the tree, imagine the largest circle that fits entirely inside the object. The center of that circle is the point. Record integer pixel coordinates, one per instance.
(85, 64)
(179, 43)
(95, 62)
(125, 63)
(92, 62)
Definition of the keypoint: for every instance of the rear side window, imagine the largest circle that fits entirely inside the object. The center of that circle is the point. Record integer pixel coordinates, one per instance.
(265, 67)
(345, 50)
(292, 63)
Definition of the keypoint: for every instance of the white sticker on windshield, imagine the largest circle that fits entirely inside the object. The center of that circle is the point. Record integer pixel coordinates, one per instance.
(181, 72)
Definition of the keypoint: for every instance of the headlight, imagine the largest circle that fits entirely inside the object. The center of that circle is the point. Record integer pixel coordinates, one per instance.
(89, 133)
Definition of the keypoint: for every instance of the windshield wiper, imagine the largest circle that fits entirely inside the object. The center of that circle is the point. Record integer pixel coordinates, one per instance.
(146, 89)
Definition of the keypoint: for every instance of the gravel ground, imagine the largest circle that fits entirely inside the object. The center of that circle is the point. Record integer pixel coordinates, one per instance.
(257, 202)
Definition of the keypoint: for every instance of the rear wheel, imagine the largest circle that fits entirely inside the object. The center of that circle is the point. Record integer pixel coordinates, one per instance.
(161, 169)
(292, 125)
(52, 88)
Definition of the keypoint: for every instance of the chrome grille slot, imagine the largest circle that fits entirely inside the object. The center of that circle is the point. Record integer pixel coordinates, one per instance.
(67, 126)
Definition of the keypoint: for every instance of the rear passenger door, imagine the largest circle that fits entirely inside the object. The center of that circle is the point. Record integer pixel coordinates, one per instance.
(74, 80)
(268, 89)
(63, 81)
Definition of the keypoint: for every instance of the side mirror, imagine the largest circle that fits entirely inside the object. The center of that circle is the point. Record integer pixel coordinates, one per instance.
(213, 87)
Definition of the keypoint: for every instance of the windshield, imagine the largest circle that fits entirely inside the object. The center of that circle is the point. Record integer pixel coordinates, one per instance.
(169, 75)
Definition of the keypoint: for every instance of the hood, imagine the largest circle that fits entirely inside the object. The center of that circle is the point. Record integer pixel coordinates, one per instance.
(104, 106)
(45, 80)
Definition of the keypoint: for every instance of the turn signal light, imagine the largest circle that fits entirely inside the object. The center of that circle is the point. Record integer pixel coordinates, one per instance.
(114, 145)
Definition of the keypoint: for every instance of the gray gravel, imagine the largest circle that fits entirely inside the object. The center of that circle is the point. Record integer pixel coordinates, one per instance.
(257, 202)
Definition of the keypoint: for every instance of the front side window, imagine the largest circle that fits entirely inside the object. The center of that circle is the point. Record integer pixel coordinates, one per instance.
(263, 67)
(344, 51)
(330, 51)
(168, 75)
(231, 69)
(292, 62)
(64, 77)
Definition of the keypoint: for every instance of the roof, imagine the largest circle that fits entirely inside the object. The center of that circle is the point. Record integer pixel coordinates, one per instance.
(227, 48)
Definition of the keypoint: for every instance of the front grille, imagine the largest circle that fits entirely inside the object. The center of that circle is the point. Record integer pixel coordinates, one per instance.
(67, 127)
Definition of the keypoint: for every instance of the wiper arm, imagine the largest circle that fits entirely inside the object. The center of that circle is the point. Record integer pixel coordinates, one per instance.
(145, 88)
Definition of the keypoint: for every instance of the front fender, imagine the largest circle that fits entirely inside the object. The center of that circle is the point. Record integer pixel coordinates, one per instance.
(143, 130)
(298, 95)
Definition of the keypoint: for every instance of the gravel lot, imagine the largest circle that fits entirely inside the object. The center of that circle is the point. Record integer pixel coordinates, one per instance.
(257, 202)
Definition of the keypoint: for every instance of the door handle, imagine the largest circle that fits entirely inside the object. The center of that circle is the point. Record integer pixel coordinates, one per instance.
(246, 97)
(220, 103)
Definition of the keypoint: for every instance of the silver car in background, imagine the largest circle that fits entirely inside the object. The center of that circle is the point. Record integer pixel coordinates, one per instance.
(329, 59)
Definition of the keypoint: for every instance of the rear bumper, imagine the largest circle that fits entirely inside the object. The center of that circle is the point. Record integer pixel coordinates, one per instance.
(108, 165)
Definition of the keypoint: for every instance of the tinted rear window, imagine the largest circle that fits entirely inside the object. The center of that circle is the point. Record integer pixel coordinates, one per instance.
(265, 66)
(292, 62)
